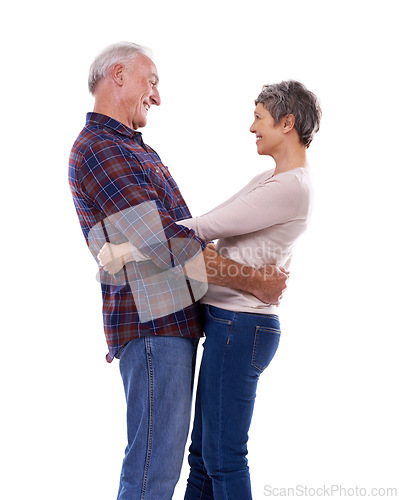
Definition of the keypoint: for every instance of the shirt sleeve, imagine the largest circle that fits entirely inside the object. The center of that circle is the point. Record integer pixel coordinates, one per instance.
(115, 182)
(273, 202)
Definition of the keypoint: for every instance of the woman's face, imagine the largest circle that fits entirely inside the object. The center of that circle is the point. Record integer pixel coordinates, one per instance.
(268, 135)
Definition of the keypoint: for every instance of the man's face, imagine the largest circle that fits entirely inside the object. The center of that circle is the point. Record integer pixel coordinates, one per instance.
(268, 135)
(140, 90)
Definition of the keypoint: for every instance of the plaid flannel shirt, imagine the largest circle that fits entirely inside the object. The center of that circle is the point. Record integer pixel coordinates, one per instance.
(122, 192)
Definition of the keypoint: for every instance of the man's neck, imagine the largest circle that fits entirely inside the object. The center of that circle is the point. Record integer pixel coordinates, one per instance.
(112, 112)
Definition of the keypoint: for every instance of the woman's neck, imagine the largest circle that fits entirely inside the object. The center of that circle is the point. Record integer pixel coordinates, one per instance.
(289, 159)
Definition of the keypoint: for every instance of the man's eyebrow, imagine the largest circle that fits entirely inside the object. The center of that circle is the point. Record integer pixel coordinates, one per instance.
(154, 75)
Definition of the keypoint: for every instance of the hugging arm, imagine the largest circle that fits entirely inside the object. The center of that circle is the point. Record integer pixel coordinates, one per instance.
(267, 284)
(270, 203)
(265, 206)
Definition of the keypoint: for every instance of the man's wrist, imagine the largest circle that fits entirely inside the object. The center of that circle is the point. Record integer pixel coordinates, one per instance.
(251, 279)
(225, 272)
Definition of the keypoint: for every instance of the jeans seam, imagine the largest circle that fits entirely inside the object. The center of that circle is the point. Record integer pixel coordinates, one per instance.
(221, 401)
(150, 417)
(260, 315)
(202, 486)
(254, 364)
(268, 329)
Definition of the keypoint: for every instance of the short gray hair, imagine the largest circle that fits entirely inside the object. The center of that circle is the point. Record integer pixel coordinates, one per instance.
(121, 52)
(292, 97)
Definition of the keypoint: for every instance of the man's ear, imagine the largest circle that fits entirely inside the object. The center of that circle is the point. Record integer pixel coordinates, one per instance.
(118, 74)
(288, 123)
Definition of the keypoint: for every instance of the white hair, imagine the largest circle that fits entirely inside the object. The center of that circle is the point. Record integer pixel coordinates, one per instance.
(121, 52)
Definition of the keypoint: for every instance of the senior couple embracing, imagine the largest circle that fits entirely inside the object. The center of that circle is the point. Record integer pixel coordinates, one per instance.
(165, 283)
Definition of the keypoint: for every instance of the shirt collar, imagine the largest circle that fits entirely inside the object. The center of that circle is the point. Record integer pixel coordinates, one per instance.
(106, 121)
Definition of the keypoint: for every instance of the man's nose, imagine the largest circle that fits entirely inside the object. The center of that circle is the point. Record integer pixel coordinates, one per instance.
(155, 97)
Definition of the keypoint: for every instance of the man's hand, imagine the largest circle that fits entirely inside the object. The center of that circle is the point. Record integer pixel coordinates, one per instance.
(270, 284)
(113, 257)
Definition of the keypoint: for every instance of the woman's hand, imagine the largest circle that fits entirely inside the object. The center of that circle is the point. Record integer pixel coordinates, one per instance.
(113, 257)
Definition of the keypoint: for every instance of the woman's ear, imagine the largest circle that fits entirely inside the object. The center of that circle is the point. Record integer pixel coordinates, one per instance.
(288, 123)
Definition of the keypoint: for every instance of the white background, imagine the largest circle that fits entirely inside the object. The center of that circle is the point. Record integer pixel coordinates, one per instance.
(327, 408)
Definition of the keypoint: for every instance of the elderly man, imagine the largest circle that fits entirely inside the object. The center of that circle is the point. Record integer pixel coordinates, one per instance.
(122, 192)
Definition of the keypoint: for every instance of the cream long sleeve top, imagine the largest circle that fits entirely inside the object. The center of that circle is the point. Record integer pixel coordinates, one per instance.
(258, 226)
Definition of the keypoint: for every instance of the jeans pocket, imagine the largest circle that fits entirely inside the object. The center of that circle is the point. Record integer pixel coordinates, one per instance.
(219, 315)
(265, 346)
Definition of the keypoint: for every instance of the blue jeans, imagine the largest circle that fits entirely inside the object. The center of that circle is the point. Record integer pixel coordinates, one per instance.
(238, 347)
(157, 374)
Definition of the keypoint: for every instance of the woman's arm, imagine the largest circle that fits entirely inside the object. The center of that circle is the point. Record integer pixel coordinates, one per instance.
(113, 257)
(266, 284)
(274, 202)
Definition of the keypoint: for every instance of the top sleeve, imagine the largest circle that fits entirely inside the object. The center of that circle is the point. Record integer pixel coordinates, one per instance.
(114, 181)
(270, 203)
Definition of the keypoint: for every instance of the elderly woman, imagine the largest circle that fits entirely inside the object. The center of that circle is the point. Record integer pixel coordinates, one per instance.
(258, 226)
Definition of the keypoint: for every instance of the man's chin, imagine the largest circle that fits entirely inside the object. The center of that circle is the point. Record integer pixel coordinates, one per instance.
(142, 124)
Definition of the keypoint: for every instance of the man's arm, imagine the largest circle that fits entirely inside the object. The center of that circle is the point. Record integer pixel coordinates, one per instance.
(267, 284)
